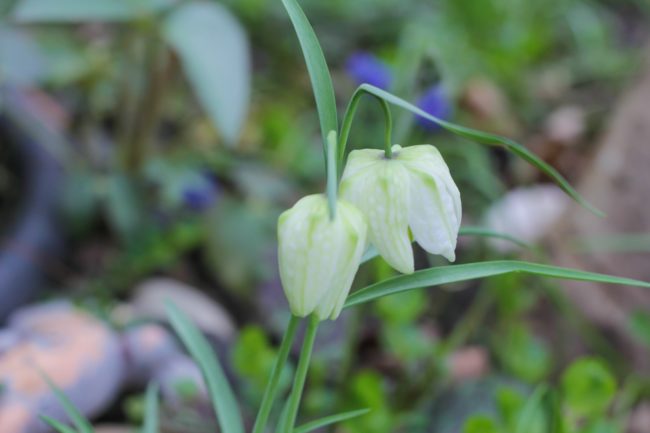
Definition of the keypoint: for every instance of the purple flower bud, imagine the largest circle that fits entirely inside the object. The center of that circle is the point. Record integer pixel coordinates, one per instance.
(366, 68)
(434, 102)
(199, 196)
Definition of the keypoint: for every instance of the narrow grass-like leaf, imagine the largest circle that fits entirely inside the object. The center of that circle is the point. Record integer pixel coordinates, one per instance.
(471, 271)
(56, 425)
(488, 233)
(283, 420)
(151, 410)
(533, 406)
(329, 420)
(488, 139)
(319, 74)
(372, 252)
(221, 394)
(80, 422)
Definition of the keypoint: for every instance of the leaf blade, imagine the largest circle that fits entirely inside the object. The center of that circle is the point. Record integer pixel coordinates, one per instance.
(329, 420)
(222, 395)
(80, 422)
(488, 139)
(457, 273)
(56, 425)
(151, 410)
(217, 64)
(321, 80)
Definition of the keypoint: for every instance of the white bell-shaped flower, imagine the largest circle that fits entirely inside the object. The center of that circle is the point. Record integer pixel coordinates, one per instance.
(412, 190)
(319, 256)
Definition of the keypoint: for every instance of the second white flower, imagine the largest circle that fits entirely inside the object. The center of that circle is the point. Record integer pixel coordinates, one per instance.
(413, 189)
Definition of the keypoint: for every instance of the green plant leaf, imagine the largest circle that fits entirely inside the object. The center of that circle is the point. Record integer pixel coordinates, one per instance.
(488, 233)
(151, 410)
(80, 422)
(372, 252)
(532, 416)
(470, 271)
(215, 53)
(321, 80)
(56, 425)
(329, 420)
(488, 139)
(480, 424)
(222, 396)
(588, 387)
(73, 11)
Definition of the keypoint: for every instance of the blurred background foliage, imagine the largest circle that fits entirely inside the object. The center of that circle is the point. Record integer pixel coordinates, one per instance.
(185, 127)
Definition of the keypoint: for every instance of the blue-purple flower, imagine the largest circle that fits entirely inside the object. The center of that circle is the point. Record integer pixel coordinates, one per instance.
(436, 103)
(366, 68)
(201, 193)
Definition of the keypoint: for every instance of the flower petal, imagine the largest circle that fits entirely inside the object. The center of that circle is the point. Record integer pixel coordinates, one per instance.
(435, 207)
(380, 189)
(347, 253)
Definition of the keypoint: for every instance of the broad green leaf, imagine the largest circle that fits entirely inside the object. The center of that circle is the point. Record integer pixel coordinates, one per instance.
(588, 387)
(480, 424)
(222, 396)
(73, 11)
(329, 420)
(151, 410)
(80, 422)
(215, 53)
(471, 271)
(317, 66)
(488, 139)
(56, 425)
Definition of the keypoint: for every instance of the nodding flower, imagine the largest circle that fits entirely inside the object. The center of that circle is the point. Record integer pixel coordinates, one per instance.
(412, 192)
(319, 255)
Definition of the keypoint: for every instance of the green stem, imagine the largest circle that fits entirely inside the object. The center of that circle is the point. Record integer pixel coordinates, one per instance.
(301, 372)
(349, 117)
(271, 391)
(332, 173)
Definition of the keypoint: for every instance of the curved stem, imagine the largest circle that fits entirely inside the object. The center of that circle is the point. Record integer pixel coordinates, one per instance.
(301, 372)
(349, 117)
(332, 173)
(271, 391)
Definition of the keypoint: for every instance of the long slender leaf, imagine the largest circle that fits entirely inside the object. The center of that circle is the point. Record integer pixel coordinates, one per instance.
(222, 396)
(321, 80)
(372, 252)
(151, 410)
(488, 233)
(471, 271)
(531, 410)
(329, 420)
(80, 422)
(56, 425)
(489, 139)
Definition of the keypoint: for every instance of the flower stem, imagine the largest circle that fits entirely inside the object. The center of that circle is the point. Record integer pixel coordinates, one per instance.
(301, 372)
(271, 391)
(332, 174)
(348, 117)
